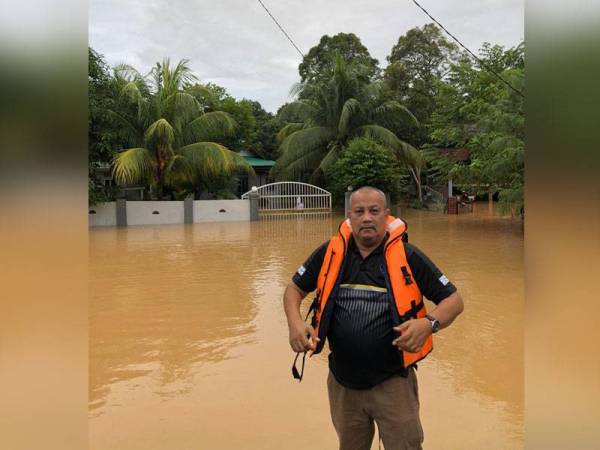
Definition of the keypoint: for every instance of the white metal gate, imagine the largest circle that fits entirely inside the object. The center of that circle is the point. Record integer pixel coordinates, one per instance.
(291, 198)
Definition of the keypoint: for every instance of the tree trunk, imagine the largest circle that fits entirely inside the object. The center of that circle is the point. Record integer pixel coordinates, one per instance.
(418, 180)
(416, 174)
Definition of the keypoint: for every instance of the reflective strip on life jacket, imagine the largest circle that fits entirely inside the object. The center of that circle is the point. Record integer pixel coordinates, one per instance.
(404, 291)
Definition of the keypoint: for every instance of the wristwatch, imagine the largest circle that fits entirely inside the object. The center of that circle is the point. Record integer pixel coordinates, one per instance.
(435, 324)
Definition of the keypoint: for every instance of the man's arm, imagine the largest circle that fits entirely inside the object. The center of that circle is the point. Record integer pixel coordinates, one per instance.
(414, 332)
(298, 328)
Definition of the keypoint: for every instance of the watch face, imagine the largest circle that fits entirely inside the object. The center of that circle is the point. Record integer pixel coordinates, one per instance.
(435, 324)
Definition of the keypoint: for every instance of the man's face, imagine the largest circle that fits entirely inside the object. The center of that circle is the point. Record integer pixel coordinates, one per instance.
(368, 217)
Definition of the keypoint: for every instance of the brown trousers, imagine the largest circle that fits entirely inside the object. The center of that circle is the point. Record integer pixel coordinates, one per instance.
(392, 404)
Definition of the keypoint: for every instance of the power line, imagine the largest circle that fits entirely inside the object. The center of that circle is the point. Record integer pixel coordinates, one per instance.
(484, 65)
(281, 28)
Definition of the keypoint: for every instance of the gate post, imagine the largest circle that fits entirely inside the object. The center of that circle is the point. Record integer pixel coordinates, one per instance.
(253, 197)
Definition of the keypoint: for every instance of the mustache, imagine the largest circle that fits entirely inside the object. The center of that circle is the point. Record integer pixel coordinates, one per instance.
(367, 227)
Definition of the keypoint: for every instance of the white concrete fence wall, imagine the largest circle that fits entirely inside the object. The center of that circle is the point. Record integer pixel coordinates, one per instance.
(105, 216)
(170, 212)
(154, 213)
(221, 210)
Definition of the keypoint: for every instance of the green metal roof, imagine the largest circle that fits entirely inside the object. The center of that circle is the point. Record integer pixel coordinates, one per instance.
(255, 161)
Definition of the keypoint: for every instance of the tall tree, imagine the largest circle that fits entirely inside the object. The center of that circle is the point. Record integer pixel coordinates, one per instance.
(104, 138)
(335, 110)
(478, 111)
(317, 63)
(417, 62)
(171, 139)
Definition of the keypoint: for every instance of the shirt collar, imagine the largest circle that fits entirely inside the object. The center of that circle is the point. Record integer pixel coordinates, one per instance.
(353, 247)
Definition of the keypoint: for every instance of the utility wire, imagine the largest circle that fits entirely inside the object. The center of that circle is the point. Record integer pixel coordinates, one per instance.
(484, 65)
(281, 28)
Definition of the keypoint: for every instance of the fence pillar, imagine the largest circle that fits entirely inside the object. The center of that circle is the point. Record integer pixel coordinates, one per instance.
(121, 212)
(254, 197)
(188, 210)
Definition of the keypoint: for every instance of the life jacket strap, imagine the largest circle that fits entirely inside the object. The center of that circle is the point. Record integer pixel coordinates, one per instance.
(312, 308)
(295, 373)
(412, 312)
(406, 275)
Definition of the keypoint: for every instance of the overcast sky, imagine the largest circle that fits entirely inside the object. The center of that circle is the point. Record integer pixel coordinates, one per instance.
(235, 44)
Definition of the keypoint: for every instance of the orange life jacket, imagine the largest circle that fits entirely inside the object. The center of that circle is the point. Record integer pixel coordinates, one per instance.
(404, 291)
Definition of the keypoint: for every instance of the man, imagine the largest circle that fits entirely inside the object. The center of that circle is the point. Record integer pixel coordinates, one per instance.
(370, 284)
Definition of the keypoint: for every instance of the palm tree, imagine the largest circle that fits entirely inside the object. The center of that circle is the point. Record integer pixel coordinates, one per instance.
(330, 114)
(172, 140)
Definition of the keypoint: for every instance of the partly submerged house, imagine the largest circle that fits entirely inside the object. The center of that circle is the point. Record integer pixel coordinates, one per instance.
(261, 172)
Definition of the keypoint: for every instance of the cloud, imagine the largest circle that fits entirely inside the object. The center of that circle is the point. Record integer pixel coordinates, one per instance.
(237, 43)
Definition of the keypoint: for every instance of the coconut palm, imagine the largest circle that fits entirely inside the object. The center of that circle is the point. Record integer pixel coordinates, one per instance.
(330, 114)
(172, 140)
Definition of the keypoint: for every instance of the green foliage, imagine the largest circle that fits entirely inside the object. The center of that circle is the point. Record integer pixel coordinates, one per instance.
(318, 62)
(417, 63)
(104, 137)
(365, 163)
(171, 134)
(330, 113)
(479, 112)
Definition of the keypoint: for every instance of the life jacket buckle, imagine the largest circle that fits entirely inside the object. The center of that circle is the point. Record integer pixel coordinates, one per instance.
(406, 275)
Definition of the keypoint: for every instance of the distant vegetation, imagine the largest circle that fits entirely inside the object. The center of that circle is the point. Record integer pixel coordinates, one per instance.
(177, 135)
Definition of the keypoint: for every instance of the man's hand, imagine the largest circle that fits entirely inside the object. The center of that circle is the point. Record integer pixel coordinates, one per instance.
(413, 334)
(300, 332)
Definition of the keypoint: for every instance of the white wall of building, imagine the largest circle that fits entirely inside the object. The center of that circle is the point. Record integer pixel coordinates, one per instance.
(143, 213)
(106, 215)
(221, 210)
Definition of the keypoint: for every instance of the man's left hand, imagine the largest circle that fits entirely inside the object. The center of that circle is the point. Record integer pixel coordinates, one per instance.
(413, 334)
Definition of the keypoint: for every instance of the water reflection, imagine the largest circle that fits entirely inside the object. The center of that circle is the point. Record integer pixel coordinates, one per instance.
(160, 306)
(187, 336)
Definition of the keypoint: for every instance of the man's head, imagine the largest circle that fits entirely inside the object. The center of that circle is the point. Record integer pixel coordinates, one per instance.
(368, 215)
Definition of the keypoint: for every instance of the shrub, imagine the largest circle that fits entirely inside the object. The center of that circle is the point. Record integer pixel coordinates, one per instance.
(364, 162)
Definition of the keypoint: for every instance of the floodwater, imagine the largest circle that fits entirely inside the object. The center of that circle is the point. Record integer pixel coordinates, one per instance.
(189, 342)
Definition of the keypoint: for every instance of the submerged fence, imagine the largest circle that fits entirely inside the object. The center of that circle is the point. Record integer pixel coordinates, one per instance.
(291, 198)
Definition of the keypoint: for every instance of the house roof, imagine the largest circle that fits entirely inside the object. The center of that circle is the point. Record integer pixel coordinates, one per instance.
(255, 161)
(456, 154)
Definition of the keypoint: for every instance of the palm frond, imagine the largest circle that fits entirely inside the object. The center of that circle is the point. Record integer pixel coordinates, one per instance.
(210, 159)
(304, 163)
(180, 108)
(287, 130)
(202, 94)
(178, 171)
(350, 110)
(295, 148)
(159, 134)
(209, 126)
(401, 149)
(134, 165)
(330, 158)
(299, 110)
(127, 73)
(391, 112)
(128, 129)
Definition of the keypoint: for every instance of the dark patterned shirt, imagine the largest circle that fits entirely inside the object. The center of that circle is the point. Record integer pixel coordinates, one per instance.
(360, 333)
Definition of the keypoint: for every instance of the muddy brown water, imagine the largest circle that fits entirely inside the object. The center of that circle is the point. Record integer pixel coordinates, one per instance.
(189, 346)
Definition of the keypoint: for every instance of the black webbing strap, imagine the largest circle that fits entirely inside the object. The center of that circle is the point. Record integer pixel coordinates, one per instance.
(298, 375)
(406, 275)
(295, 373)
(412, 312)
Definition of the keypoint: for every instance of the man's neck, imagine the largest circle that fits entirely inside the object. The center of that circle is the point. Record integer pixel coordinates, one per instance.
(366, 250)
